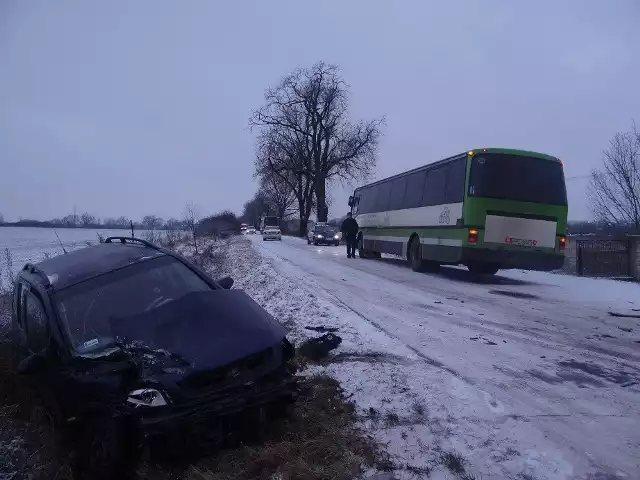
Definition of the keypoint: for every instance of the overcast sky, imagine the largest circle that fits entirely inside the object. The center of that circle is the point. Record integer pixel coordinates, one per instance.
(136, 107)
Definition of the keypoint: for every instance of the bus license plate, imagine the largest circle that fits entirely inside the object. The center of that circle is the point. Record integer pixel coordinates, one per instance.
(521, 242)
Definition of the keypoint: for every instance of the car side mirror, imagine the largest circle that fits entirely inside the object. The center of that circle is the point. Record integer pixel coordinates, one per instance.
(34, 363)
(351, 201)
(226, 282)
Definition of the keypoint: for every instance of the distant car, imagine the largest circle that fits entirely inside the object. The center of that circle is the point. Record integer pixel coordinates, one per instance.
(132, 342)
(251, 231)
(271, 233)
(323, 234)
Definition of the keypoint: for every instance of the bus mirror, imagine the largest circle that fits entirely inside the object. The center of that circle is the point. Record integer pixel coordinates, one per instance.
(351, 201)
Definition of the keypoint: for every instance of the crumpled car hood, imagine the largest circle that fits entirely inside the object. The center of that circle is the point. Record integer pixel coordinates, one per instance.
(205, 330)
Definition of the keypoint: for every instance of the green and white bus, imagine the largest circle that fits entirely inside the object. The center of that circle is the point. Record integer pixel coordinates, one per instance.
(488, 209)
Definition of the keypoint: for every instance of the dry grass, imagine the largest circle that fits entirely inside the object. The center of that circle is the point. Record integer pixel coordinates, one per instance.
(29, 447)
(319, 440)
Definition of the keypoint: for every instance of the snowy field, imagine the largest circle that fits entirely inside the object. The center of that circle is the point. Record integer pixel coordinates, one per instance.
(28, 244)
(525, 375)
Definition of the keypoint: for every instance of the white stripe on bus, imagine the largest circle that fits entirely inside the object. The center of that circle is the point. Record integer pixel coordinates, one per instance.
(449, 242)
(431, 216)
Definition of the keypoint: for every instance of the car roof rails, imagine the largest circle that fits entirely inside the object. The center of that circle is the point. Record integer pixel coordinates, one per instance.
(31, 268)
(131, 240)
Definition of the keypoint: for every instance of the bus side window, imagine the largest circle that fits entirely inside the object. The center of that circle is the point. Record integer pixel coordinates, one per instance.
(398, 187)
(414, 190)
(456, 171)
(382, 196)
(366, 200)
(434, 187)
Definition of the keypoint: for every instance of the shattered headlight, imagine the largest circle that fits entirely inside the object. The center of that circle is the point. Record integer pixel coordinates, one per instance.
(146, 397)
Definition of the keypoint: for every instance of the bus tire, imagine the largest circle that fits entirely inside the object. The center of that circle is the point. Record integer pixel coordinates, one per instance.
(417, 263)
(362, 253)
(414, 255)
(483, 268)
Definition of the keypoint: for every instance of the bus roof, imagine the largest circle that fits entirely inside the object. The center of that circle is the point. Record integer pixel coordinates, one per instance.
(512, 151)
(507, 151)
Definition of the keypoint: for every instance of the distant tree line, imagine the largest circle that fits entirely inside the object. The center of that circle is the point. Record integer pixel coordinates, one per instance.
(598, 228)
(87, 220)
(216, 224)
(305, 142)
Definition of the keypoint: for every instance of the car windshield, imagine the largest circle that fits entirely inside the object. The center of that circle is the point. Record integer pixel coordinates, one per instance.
(516, 177)
(86, 309)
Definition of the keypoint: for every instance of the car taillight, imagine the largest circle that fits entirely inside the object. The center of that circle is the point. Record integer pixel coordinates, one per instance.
(562, 241)
(473, 236)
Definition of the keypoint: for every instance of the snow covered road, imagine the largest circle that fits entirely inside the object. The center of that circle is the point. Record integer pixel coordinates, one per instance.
(526, 375)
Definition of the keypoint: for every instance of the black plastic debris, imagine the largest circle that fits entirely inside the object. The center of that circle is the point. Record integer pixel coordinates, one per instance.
(318, 348)
(322, 328)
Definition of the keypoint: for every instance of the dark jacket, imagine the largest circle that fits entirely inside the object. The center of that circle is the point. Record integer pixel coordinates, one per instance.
(350, 227)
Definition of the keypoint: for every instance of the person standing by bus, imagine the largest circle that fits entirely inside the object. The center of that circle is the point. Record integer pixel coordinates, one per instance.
(350, 230)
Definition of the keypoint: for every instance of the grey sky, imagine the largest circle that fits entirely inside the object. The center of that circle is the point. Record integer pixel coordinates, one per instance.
(130, 108)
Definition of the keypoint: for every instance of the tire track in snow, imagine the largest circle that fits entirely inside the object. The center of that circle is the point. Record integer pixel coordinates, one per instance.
(430, 361)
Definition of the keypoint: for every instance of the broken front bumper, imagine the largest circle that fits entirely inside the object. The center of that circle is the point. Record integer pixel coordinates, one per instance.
(246, 401)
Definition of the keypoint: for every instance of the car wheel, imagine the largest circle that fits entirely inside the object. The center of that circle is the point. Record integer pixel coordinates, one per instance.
(308, 242)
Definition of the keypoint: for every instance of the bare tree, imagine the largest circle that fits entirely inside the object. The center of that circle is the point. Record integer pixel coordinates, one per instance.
(123, 222)
(614, 189)
(151, 222)
(254, 208)
(278, 194)
(312, 105)
(281, 152)
(86, 219)
(191, 222)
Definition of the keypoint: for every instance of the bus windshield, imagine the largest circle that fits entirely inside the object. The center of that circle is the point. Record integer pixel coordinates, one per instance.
(516, 177)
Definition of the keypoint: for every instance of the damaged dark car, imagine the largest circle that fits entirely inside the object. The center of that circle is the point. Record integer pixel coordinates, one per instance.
(140, 344)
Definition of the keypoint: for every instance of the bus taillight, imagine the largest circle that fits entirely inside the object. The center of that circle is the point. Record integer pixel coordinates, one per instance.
(562, 241)
(473, 236)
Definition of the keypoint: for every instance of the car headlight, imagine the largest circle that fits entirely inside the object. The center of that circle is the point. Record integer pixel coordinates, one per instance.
(319, 236)
(336, 236)
(146, 397)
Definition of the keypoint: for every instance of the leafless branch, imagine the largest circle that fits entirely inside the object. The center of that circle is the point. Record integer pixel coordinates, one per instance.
(614, 189)
(305, 132)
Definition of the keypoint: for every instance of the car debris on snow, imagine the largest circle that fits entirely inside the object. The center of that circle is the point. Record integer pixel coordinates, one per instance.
(318, 348)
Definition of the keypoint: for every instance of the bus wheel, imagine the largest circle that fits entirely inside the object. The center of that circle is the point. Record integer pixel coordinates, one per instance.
(415, 256)
(483, 268)
(362, 252)
(418, 264)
